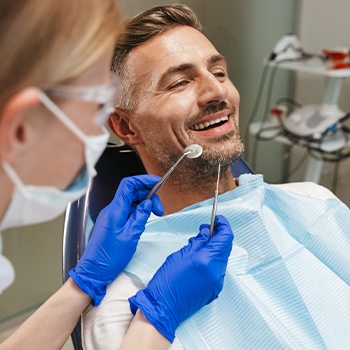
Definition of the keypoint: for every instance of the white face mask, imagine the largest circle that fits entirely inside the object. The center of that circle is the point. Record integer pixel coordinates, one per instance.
(35, 204)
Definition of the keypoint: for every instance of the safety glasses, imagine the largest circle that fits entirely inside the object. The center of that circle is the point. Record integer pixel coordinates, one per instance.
(104, 94)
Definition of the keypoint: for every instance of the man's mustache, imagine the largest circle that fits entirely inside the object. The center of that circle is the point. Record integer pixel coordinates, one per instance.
(214, 108)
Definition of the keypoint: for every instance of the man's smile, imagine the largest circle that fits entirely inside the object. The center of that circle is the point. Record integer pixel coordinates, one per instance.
(209, 124)
(214, 124)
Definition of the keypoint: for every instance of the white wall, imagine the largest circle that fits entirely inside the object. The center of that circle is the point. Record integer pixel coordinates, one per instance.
(323, 24)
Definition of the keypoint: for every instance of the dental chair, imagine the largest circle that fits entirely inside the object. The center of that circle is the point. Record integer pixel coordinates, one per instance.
(115, 163)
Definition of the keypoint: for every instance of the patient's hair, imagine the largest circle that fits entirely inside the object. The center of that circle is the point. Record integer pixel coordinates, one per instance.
(137, 31)
(48, 43)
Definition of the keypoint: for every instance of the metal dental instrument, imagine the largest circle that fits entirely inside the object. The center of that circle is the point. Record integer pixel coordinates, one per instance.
(215, 204)
(191, 151)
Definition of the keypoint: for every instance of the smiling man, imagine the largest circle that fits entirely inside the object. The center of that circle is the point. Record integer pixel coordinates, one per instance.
(178, 93)
(287, 280)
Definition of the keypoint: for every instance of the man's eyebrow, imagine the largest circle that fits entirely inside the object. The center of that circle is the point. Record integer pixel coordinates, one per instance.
(216, 58)
(176, 69)
(187, 66)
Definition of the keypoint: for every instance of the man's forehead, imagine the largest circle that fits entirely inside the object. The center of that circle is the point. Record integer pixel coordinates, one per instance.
(176, 48)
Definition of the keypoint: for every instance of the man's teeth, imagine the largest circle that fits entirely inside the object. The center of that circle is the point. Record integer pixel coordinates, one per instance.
(202, 126)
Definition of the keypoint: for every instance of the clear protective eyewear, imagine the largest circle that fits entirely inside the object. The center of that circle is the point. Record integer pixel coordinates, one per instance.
(105, 94)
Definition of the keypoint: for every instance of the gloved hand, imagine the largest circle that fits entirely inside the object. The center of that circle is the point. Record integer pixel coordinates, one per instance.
(115, 236)
(189, 279)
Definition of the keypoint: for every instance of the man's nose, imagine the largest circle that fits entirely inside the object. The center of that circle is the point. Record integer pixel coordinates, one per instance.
(211, 90)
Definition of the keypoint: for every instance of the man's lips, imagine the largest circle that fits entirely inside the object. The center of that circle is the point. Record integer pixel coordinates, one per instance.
(212, 121)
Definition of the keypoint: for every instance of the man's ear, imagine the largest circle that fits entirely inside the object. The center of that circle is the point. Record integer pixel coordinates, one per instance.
(13, 130)
(120, 124)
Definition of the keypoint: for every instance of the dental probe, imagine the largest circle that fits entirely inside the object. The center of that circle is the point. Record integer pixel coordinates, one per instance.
(191, 151)
(215, 204)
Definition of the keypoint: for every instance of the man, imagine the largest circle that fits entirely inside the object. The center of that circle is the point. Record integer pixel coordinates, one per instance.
(287, 280)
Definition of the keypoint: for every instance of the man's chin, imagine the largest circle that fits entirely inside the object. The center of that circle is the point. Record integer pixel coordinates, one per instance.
(207, 165)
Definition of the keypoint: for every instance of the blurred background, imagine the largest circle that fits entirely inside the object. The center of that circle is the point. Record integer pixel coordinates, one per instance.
(245, 31)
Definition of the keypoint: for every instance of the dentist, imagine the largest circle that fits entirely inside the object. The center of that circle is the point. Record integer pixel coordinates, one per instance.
(56, 94)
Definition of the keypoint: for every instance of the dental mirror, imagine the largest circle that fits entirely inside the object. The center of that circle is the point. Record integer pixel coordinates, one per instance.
(191, 151)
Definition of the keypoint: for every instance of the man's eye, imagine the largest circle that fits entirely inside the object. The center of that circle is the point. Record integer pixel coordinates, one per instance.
(220, 74)
(179, 84)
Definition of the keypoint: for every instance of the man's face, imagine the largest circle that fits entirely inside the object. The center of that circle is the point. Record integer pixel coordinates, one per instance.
(184, 96)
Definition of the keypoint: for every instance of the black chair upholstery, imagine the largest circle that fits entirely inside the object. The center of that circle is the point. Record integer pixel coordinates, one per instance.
(115, 163)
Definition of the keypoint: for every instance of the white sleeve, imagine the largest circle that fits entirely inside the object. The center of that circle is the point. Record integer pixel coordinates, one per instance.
(105, 326)
(7, 272)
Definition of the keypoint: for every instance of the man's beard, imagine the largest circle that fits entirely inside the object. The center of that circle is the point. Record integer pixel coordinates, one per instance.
(224, 151)
(207, 164)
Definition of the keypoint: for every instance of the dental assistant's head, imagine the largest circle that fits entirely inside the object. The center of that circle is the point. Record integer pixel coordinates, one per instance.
(55, 85)
(176, 92)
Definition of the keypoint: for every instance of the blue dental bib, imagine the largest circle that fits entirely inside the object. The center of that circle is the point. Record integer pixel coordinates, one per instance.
(287, 284)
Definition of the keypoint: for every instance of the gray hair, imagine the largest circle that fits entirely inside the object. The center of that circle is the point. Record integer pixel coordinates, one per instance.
(137, 31)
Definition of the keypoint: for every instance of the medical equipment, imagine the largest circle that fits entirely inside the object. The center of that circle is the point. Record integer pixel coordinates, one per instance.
(288, 47)
(313, 120)
(319, 128)
(191, 151)
(215, 203)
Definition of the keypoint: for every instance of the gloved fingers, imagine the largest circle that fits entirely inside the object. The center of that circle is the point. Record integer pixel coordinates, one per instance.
(219, 246)
(203, 237)
(222, 224)
(136, 187)
(223, 236)
(203, 227)
(138, 219)
(157, 205)
(131, 189)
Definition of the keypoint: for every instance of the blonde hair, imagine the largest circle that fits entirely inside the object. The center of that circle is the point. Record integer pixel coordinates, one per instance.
(50, 42)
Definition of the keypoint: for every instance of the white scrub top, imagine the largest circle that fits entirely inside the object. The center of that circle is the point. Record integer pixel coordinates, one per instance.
(7, 272)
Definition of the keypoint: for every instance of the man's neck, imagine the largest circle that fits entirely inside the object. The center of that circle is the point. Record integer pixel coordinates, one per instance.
(176, 197)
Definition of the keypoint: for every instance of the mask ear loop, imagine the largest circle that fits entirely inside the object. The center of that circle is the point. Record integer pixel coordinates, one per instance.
(89, 141)
(52, 107)
(103, 114)
(14, 178)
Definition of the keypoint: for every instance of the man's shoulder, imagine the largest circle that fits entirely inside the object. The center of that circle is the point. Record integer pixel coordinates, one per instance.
(308, 189)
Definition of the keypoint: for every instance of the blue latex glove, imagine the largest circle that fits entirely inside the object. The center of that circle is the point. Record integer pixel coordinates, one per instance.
(189, 279)
(115, 236)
